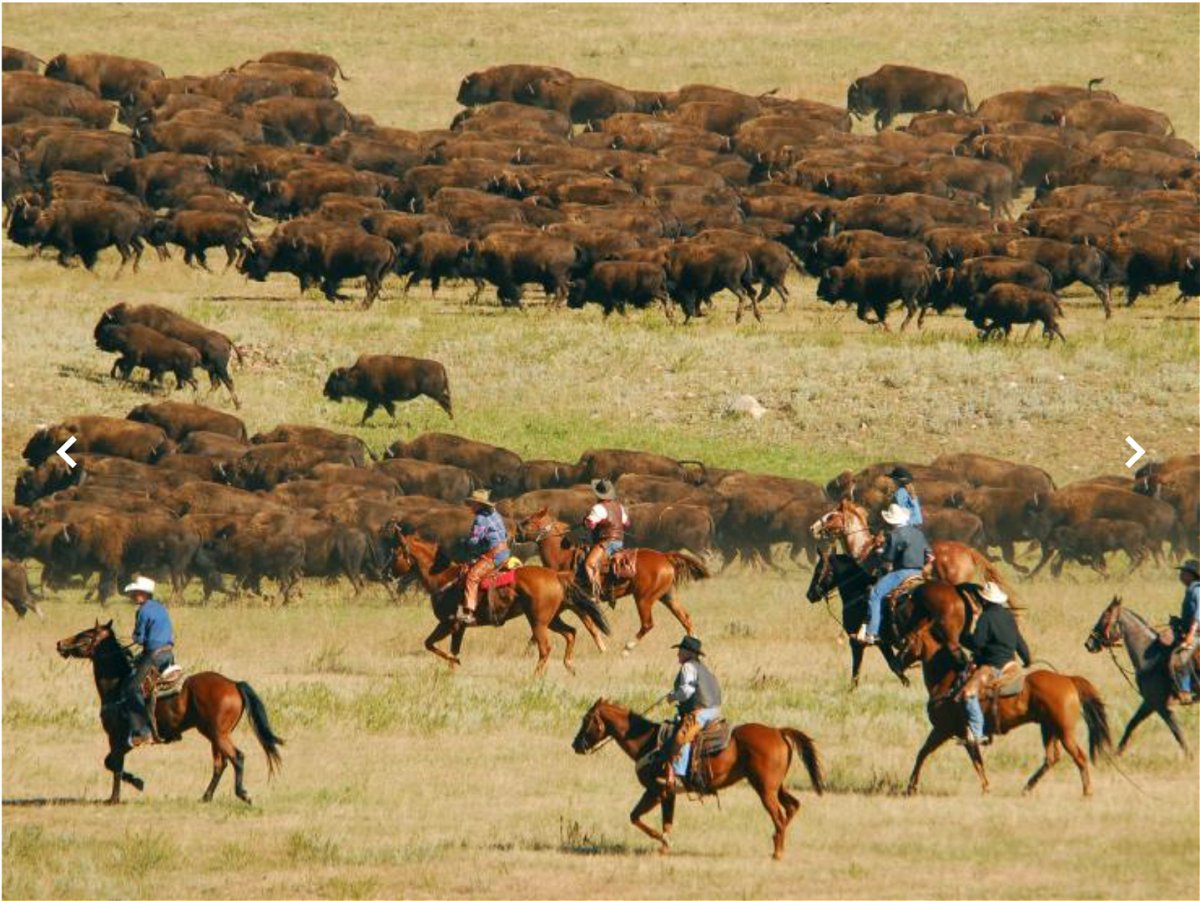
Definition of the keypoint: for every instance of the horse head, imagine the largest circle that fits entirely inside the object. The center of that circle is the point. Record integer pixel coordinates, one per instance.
(823, 577)
(536, 525)
(592, 730)
(1106, 632)
(84, 644)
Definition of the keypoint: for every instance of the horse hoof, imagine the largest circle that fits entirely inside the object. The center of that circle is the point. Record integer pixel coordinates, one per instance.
(112, 801)
(778, 855)
(206, 798)
(245, 797)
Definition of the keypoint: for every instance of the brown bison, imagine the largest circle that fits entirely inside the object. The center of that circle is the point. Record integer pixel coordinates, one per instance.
(904, 89)
(100, 435)
(382, 379)
(874, 282)
(180, 420)
(105, 75)
(1006, 305)
(151, 350)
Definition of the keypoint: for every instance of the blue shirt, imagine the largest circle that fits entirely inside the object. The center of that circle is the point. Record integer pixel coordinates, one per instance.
(905, 548)
(1190, 611)
(152, 626)
(488, 532)
(909, 503)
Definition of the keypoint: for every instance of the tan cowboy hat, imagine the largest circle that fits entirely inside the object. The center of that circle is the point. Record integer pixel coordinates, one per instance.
(895, 515)
(141, 583)
(481, 496)
(604, 489)
(993, 595)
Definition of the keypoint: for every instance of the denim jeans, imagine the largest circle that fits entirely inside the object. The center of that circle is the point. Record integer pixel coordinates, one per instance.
(879, 591)
(704, 716)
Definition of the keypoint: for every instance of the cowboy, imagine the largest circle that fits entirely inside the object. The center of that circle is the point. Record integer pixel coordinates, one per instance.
(697, 695)
(995, 640)
(152, 630)
(607, 522)
(487, 544)
(904, 553)
(906, 495)
(1184, 629)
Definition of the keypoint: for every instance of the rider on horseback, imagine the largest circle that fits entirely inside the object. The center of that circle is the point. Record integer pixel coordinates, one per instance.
(697, 695)
(995, 640)
(607, 522)
(1184, 630)
(906, 495)
(488, 544)
(152, 630)
(905, 552)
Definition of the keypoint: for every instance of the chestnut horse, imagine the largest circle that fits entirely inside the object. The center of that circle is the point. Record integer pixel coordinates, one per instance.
(1052, 700)
(207, 702)
(539, 593)
(953, 561)
(761, 754)
(657, 572)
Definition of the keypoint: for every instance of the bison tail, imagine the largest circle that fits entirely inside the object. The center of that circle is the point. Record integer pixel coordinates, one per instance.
(237, 352)
(1092, 82)
(970, 107)
(1095, 714)
(687, 567)
(800, 743)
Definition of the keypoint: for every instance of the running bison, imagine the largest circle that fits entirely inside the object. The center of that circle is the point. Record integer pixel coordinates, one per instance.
(381, 380)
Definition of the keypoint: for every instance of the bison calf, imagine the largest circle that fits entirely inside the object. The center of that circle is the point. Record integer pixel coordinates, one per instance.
(1088, 543)
(1006, 305)
(381, 380)
(142, 346)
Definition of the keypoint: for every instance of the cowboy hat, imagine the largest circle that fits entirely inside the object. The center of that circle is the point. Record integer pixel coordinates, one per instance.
(604, 489)
(1190, 566)
(895, 515)
(901, 475)
(141, 583)
(991, 593)
(690, 643)
(481, 496)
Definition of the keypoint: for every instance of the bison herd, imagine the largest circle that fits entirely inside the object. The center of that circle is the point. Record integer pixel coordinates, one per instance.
(598, 193)
(184, 493)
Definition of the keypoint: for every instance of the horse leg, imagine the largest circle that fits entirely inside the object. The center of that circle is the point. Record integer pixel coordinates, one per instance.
(645, 804)
(676, 608)
(239, 772)
(770, 800)
(594, 631)
(856, 659)
(1050, 743)
(568, 633)
(218, 770)
(977, 761)
(1134, 721)
(1169, 718)
(668, 816)
(1081, 761)
(644, 603)
(893, 664)
(114, 762)
(543, 644)
(440, 631)
(935, 740)
(791, 804)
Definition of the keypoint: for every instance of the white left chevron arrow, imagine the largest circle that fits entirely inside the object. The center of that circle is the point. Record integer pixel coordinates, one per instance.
(1138, 452)
(62, 452)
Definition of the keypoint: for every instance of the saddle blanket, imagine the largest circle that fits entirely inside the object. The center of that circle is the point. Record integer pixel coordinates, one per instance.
(501, 579)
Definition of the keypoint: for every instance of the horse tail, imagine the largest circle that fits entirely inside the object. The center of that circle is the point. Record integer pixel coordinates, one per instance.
(687, 567)
(583, 603)
(1095, 714)
(801, 744)
(262, 727)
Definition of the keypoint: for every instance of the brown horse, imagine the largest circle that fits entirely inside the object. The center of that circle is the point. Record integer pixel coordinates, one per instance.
(761, 754)
(208, 702)
(540, 593)
(1052, 700)
(657, 572)
(953, 561)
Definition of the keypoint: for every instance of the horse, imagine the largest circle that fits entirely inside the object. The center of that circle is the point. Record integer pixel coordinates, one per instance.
(657, 572)
(841, 573)
(539, 593)
(1052, 700)
(208, 702)
(761, 754)
(953, 561)
(1150, 658)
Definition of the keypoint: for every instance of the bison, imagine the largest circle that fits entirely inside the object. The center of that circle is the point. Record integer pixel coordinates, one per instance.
(904, 89)
(382, 379)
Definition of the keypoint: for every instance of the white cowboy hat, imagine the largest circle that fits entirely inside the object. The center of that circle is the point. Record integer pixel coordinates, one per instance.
(141, 583)
(895, 515)
(992, 594)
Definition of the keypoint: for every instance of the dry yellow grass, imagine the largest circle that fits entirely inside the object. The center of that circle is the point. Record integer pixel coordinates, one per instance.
(403, 780)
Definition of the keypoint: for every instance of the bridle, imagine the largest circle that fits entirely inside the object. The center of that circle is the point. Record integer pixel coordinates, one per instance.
(594, 717)
(1102, 634)
(547, 531)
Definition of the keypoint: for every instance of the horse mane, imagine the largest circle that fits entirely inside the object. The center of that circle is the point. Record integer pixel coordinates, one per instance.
(638, 724)
(1139, 620)
(109, 648)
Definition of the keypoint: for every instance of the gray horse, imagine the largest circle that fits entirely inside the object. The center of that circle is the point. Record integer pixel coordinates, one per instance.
(1148, 655)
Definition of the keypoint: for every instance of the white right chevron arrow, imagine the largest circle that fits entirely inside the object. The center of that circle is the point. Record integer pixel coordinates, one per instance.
(1138, 452)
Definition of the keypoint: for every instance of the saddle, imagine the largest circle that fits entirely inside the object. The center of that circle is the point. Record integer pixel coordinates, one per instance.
(1008, 684)
(712, 740)
(157, 687)
(622, 566)
(498, 591)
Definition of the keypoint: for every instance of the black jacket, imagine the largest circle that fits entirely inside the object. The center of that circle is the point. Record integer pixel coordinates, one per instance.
(996, 639)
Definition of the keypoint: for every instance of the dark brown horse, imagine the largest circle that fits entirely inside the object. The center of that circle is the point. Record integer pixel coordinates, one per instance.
(657, 572)
(208, 702)
(539, 593)
(1052, 700)
(760, 754)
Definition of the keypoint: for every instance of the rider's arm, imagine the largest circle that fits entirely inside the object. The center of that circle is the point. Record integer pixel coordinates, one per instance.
(687, 684)
(1023, 650)
(595, 516)
(141, 626)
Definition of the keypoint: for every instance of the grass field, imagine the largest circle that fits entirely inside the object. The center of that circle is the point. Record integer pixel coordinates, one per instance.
(401, 779)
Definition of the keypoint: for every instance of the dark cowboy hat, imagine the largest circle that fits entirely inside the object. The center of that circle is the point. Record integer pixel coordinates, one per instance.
(901, 475)
(690, 643)
(1190, 566)
(604, 489)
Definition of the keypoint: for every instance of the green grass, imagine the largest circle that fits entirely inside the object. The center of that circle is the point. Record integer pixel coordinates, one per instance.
(404, 779)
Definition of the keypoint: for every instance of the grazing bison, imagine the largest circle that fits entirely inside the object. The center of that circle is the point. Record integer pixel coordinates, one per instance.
(381, 380)
(1006, 305)
(151, 350)
(904, 89)
(215, 349)
(180, 420)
